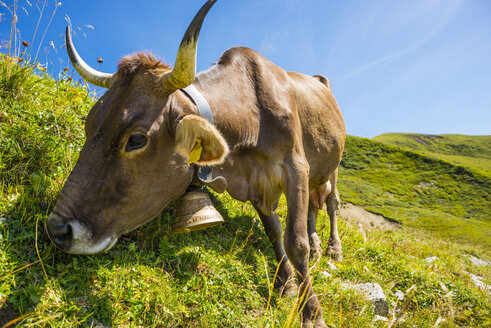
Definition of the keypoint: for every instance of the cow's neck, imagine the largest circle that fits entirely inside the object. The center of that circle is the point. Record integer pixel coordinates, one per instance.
(200, 102)
(204, 174)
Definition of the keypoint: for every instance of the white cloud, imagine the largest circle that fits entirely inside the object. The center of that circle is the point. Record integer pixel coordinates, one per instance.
(429, 18)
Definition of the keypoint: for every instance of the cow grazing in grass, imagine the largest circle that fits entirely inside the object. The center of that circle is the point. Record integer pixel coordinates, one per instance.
(274, 132)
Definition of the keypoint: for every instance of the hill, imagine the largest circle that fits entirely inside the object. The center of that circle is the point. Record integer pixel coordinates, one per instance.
(224, 276)
(469, 151)
(418, 190)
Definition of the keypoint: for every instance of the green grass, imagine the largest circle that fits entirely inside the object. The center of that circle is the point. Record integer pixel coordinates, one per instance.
(418, 190)
(223, 276)
(469, 151)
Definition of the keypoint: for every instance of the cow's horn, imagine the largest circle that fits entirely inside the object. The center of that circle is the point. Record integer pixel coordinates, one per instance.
(87, 72)
(185, 67)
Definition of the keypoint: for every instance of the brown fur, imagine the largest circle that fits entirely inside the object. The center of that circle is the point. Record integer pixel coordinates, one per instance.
(284, 130)
(129, 65)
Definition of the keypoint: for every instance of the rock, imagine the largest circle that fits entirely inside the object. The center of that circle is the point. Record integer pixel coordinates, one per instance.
(399, 295)
(479, 262)
(431, 259)
(477, 281)
(379, 318)
(374, 293)
(331, 266)
(326, 274)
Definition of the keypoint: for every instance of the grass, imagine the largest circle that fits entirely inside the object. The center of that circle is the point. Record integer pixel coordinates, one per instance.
(223, 276)
(471, 151)
(418, 190)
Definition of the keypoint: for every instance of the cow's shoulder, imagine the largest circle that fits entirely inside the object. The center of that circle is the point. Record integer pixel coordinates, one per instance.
(238, 55)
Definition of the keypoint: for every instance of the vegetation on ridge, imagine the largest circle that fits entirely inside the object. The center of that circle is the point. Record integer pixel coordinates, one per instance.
(470, 151)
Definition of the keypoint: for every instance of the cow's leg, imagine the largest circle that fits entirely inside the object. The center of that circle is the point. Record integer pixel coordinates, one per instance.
(297, 239)
(286, 274)
(318, 197)
(314, 241)
(333, 203)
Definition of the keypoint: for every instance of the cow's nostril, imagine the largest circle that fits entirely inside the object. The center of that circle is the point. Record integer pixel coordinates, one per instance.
(59, 230)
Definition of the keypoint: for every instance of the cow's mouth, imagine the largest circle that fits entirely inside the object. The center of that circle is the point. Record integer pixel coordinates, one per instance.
(72, 237)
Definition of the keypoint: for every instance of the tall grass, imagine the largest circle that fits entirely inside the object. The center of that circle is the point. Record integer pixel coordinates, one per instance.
(31, 50)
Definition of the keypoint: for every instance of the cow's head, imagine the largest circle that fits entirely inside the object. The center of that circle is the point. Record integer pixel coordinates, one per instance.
(139, 137)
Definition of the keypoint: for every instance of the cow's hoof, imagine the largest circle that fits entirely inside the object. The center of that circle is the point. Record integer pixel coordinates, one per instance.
(315, 246)
(290, 289)
(317, 323)
(335, 253)
(316, 253)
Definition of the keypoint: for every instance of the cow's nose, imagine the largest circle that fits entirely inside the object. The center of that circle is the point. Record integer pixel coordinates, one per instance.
(59, 231)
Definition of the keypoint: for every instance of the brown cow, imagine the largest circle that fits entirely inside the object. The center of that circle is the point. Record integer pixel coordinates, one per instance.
(275, 132)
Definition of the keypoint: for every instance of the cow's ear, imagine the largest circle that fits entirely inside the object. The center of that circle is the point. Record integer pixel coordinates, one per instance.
(200, 141)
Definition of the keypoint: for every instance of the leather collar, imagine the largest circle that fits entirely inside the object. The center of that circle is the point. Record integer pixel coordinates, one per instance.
(200, 102)
(204, 174)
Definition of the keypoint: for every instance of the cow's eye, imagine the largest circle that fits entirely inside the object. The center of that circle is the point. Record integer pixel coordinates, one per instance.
(136, 141)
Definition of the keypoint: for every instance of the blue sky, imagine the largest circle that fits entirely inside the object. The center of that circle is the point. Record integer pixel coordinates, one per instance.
(420, 66)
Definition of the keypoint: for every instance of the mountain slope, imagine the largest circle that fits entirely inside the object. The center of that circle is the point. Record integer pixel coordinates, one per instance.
(224, 276)
(417, 190)
(470, 151)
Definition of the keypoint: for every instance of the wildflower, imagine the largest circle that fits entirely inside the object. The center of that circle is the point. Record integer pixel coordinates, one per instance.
(65, 69)
(25, 43)
(100, 60)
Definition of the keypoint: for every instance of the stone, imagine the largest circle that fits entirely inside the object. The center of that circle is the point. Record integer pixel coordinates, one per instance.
(399, 295)
(374, 293)
(331, 266)
(477, 280)
(479, 262)
(326, 274)
(376, 296)
(379, 318)
(431, 259)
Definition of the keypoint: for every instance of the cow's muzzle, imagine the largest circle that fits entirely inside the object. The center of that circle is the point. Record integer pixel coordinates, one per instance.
(59, 231)
(70, 236)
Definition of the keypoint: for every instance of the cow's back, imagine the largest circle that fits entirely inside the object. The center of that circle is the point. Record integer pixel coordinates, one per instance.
(322, 124)
(263, 113)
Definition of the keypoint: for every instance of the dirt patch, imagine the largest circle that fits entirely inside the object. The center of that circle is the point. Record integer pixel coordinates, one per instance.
(7, 314)
(367, 219)
(419, 137)
(425, 185)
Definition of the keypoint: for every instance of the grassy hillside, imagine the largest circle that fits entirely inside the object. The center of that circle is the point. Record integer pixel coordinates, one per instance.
(224, 276)
(470, 151)
(418, 190)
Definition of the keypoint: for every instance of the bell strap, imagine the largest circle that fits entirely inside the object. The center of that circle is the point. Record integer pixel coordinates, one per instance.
(200, 102)
(205, 173)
